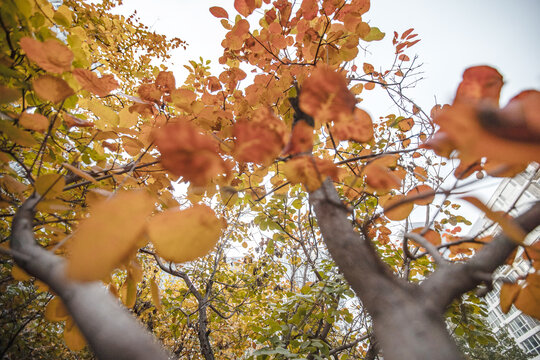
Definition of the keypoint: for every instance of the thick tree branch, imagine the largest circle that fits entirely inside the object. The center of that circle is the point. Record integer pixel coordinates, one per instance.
(448, 282)
(401, 317)
(109, 329)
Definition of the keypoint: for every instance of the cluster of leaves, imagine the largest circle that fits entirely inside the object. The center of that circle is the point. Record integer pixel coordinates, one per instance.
(101, 137)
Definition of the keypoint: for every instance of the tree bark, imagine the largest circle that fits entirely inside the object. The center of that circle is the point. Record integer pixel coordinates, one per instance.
(408, 319)
(110, 330)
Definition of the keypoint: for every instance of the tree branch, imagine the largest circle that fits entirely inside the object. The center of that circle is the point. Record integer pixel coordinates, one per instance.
(109, 329)
(449, 282)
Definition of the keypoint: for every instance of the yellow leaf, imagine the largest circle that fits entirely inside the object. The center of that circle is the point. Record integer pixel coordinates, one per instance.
(107, 238)
(156, 297)
(56, 310)
(50, 185)
(128, 292)
(17, 135)
(79, 172)
(73, 337)
(184, 235)
(51, 88)
(19, 274)
(310, 172)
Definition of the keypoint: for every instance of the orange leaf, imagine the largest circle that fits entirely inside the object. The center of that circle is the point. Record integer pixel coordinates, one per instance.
(188, 153)
(90, 81)
(310, 172)
(406, 124)
(309, 9)
(156, 297)
(51, 88)
(425, 193)
(9, 95)
(369, 86)
(461, 125)
(73, 337)
(357, 127)
(509, 226)
(431, 235)
(397, 212)
(529, 297)
(301, 139)
(509, 293)
(165, 81)
(185, 235)
(244, 7)
(55, 310)
(260, 139)
(368, 68)
(219, 12)
(379, 176)
(105, 240)
(404, 57)
(36, 122)
(324, 95)
(50, 55)
(480, 83)
(72, 121)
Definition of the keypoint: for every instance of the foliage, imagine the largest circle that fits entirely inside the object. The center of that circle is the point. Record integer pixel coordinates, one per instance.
(97, 137)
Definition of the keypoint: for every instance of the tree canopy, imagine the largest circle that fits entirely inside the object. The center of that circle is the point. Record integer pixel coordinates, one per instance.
(256, 213)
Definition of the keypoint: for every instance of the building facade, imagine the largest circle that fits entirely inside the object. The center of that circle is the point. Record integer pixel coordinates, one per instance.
(516, 194)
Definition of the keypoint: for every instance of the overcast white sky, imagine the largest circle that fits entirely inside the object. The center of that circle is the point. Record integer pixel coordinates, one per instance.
(455, 35)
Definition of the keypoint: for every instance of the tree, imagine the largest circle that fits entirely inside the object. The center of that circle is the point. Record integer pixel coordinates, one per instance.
(88, 200)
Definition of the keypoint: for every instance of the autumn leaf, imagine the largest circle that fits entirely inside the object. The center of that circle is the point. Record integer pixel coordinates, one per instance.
(50, 55)
(508, 295)
(325, 95)
(19, 274)
(156, 297)
(479, 83)
(100, 86)
(259, 139)
(308, 171)
(186, 152)
(82, 174)
(50, 185)
(108, 236)
(424, 194)
(165, 81)
(36, 122)
(51, 88)
(508, 225)
(310, 8)
(185, 235)
(397, 208)
(301, 140)
(356, 127)
(374, 34)
(431, 235)
(72, 121)
(55, 310)
(244, 7)
(380, 177)
(219, 12)
(73, 337)
(9, 95)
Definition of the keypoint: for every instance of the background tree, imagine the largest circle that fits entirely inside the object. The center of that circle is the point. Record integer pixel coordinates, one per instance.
(88, 176)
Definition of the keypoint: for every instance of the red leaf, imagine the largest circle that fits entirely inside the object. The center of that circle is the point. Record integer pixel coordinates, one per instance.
(219, 12)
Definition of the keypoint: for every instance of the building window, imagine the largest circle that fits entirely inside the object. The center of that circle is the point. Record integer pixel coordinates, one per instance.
(532, 345)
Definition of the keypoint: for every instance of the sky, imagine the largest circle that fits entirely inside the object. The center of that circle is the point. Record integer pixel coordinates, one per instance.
(454, 35)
